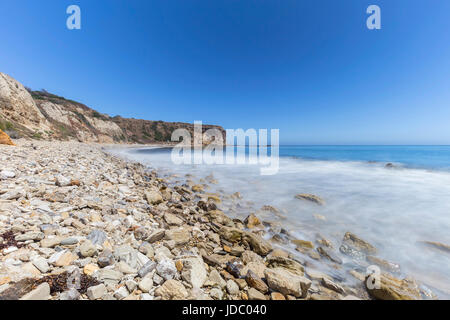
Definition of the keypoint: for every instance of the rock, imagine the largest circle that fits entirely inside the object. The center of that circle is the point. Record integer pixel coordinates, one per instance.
(303, 244)
(438, 245)
(147, 268)
(231, 234)
(108, 276)
(391, 288)
(194, 271)
(97, 237)
(258, 244)
(146, 284)
(153, 197)
(256, 282)
(232, 288)
(5, 139)
(253, 221)
(71, 295)
(172, 220)
(42, 292)
(123, 267)
(89, 269)
(256, 267)
(171, 290)
(88, 249)
(235, 267)
(41, 264)
(131, 285)
(62, 181)
(34, 235)
(179, 235)
(121, 293)
(287, 283)
(96, 292)
(277, 296)
(384, 264)
(216, 294)
(69, 241)
(328, 283)
(106, 258)
(62, 258)
(215, 279)
(359, 244)
(7, 174)
(156, 235)
(311, 198)
(254, 294)
(330, 255)
(166, 269)
(286, 263)
(220, 218)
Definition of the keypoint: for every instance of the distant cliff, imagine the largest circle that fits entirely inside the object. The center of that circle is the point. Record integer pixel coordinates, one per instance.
(42, 115)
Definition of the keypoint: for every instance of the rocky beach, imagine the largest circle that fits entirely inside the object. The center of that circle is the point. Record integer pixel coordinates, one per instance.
(77, 222)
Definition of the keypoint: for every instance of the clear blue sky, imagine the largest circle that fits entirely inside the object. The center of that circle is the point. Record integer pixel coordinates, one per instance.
(310, 68)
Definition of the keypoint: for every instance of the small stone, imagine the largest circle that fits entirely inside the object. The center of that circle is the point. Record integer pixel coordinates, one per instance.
(88, 249)
(50, 242)
(106, 258)
(71, 294)
(254, 294)
(146, 284)
(166, 269)
(156, 235)
(328, 283)
(232, 287)
(89, 269)
(216, 294)
(97, 237)
(171, 290)
(256, 282)
(311, 198)
(172, 220)
(277, 296)
(96, 292)
(41, 264)
(121, 293)
(179, 265)
(147, 268)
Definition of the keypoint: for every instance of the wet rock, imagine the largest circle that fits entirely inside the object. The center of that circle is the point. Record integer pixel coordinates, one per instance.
(235, 267)
(310, 197)
(351, 252)
(384, 264)
(437, 245)
(252, 221)
(328, 283)
(286, 263)
(258, 244)
(357, 243)
(391, 288)
(330, 255)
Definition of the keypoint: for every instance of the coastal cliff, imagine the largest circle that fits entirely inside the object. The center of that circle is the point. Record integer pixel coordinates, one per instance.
(41, 115)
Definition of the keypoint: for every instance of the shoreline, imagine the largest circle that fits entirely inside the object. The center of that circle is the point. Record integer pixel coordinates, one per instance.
(74, 207)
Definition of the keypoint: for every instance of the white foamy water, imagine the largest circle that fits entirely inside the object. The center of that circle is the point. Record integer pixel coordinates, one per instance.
(393, 209)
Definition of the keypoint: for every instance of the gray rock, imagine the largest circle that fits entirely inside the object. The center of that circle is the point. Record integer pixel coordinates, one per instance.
(166, 269)
(97, 237)
(41, 264)
(106, 258)
(71, 294)
(121, 293)
(88, 249)
(147, 268)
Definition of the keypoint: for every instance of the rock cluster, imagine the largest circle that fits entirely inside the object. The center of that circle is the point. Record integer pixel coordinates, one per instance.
(79, 223)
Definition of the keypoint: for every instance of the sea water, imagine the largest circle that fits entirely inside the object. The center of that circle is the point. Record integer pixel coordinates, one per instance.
(394, 208)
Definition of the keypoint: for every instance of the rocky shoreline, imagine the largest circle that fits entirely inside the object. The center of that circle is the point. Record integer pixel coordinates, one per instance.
(79, 223)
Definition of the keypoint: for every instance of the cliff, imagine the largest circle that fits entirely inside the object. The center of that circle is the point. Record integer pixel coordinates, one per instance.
(45, 116)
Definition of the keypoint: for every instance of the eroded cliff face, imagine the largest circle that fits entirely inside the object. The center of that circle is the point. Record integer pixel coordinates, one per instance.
(42, 115)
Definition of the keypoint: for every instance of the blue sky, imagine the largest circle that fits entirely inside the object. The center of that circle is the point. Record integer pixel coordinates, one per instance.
(310, 68)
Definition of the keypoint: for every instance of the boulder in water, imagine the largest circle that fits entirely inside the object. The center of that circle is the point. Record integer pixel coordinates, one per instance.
(311, 198)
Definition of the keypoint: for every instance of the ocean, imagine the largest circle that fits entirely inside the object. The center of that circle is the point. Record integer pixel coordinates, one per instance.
(395, 208)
